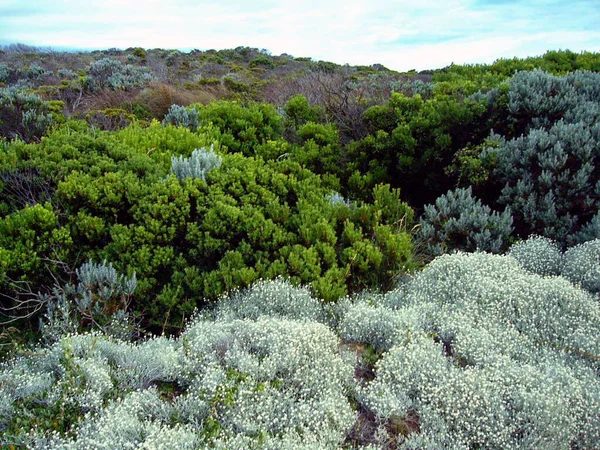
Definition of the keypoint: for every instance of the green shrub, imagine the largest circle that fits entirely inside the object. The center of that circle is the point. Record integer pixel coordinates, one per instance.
(190, 240)
(242, 128)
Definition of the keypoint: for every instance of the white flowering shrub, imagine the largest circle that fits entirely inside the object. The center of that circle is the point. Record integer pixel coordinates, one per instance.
(459, 221)
(475, 351)
(273, 382)
(539, 255)
(197, 165)
(275, 298)
(582, 265)
(579, 264)
(501, 358)
(378, 326)
(271, 377)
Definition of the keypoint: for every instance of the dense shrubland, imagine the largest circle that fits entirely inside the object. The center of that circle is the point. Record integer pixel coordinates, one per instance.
(229, 249)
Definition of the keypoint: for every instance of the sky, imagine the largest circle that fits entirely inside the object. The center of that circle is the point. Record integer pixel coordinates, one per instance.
(400, 34)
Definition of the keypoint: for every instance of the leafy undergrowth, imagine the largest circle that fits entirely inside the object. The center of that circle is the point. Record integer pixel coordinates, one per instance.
(475, 351)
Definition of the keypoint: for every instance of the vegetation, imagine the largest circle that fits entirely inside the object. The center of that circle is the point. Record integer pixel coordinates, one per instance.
(230, 249)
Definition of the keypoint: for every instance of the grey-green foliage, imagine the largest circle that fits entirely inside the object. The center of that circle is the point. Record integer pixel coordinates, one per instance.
(180, 116)
(98, 301)
(582, 265)
(335, 199)
(36, 72)
(588, 232)
(549, 172)
(67, 73)
(489, 355)
(277, 298)
(108, 73)
(22, 115)
(550, 179)
(539, 255)
(197, 165)
(4, 72)
(272, 383)
(579, 264)
(544, 98)
(459, 221)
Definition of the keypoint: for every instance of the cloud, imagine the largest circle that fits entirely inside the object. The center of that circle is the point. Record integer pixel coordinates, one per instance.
(401, 34)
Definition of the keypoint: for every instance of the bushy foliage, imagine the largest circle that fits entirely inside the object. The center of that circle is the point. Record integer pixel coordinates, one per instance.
(196, 166)
(180, 116)
(579, 264)
(539, 255)
(472, 351)
(582, 265)
(270, 383)
(546, 162)
(108, 73)
(458, 221)
(99, 301)
(276, 298)
(194, 239)
(242, 129)
(411, 142)
(485, 354)
(23, 116)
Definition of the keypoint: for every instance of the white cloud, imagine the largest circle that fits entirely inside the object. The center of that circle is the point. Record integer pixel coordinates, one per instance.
(401, 34)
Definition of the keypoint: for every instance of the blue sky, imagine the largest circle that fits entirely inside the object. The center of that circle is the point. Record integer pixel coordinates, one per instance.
(401, 34)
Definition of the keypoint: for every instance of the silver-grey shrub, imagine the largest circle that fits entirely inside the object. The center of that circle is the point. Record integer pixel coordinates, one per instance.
(197, 165)
(494, 356)
(180, 116)
(582, 265)
(23, 115)
(539, 255)
(289, 378)
(459, 221)
(548, 171)
(99, 300)
(273, 298)
(108, 73)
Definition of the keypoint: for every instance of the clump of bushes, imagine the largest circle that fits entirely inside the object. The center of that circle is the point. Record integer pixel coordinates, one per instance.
(181, 116)
(196, 235)
(458, 221)
(108, 73)
(472, 351)
(23, 116)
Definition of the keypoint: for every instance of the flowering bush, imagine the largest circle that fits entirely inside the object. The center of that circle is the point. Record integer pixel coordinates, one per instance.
(475, 351)
(496, 358)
